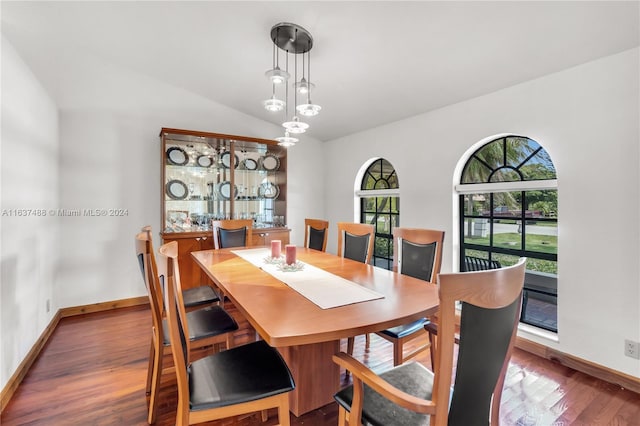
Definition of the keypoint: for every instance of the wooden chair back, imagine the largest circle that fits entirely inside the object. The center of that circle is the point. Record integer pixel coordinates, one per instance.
(168, 275)
(355, 241)
(418, 252)
(224, 233)
(491, 303)
(148, 268)
(316, 232)
(208, 408)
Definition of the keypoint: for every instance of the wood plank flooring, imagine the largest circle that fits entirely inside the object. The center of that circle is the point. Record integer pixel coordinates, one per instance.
(93, 370)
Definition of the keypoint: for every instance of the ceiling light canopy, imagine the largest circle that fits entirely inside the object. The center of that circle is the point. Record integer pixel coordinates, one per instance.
(293, 40)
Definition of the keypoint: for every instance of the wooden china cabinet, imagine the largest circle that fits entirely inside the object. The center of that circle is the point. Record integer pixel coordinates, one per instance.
(208, 176)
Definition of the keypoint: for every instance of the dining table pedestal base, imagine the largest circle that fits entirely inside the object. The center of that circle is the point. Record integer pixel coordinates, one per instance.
(316, 376)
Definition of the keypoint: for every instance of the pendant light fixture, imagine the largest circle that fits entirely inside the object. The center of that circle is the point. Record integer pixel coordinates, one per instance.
(277, 77)
(304, 87)
(275, 74)
(295, 125)
(293, 40)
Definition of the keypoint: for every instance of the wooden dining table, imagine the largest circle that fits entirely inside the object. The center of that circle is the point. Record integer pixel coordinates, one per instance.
(306, 335)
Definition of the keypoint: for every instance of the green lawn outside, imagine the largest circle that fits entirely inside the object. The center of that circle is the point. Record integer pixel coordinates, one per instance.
(539, 243)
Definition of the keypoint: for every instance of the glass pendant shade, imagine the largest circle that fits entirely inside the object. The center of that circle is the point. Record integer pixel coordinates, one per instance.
(286, 140)
(295, 126)
(277, 76)
(308, 110)
(303, 86)
(273, 104)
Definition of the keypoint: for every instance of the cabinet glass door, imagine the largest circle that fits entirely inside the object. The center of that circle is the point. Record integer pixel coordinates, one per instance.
(260, 180)
(209, 177)
(197, 183)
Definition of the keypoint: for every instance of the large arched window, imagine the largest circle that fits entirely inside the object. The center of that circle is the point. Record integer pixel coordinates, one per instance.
(380, 206)
(509, 208)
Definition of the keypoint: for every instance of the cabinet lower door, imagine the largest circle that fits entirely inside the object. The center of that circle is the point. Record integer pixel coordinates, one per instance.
(206, 243)
(190, 272)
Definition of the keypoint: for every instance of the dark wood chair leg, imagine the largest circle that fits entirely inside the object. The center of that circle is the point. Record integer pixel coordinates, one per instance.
(150, 368)
(432, 351)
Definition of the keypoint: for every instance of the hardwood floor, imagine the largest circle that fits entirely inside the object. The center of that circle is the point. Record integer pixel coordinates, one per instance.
(93, 370)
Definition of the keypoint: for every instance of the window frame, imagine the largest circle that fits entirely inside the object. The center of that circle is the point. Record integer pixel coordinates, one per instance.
(393, 192)
(489, 189)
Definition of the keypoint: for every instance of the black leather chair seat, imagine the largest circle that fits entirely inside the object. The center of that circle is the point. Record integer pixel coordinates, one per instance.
(206, 322)
(203, 295)
(240, 374)
(412, 378)
(405, 329)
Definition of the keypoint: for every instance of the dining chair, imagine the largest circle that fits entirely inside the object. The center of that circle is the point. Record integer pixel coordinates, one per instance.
(355, 241)
(410, 394)
(470, 264)
(210, 325)
(232, 233)
(417, 253)
(316, 233)
(193, 297)
(240, 380)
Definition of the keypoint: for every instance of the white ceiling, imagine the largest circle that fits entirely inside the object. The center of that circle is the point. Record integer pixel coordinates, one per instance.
(372, 62)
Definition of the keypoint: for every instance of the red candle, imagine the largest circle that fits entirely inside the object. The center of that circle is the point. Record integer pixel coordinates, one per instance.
(276, 246)
(290, 253)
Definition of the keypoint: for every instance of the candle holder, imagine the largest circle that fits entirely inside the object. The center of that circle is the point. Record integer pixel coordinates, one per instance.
(294, 267)
(273, 260)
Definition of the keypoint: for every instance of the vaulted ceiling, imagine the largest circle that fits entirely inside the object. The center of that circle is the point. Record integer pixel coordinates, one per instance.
(372, 62)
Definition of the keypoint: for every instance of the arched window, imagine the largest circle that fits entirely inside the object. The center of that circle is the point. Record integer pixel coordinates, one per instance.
(508, 205)
(380, 206)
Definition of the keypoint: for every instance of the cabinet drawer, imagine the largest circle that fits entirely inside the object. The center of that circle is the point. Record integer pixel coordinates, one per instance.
(263, 237)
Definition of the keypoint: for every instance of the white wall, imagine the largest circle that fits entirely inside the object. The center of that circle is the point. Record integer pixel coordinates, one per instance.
(29, 180)
(587, 118)
(110, 159)
(107, 156)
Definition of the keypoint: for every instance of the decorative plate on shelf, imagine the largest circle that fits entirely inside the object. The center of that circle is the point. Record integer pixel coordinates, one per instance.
(268, 190)
(270, 162)
(204, 161)
(176, 189)
(177, 156)
(226, 160)
(250, 164)
(224, 190)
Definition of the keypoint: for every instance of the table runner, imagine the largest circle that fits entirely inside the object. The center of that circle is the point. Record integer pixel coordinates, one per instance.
(323, 288)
